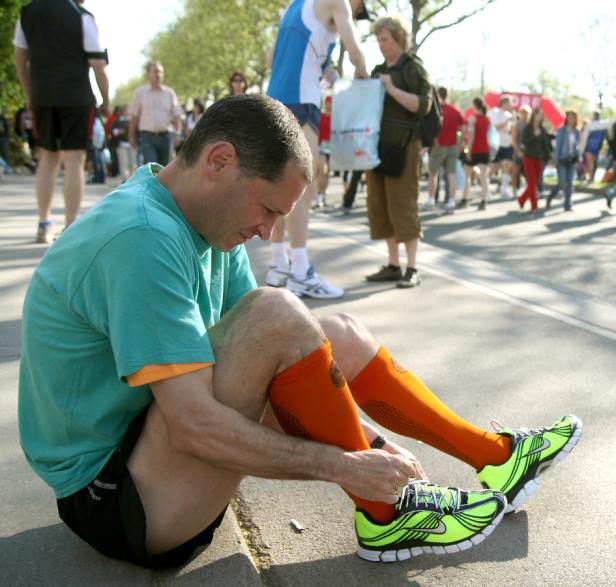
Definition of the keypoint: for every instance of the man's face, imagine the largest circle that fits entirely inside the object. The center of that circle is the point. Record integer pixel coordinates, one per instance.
(156, 73)
(249, 207)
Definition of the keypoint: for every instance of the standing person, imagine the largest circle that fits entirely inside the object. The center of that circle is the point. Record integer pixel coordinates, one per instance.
(56, 43)
(393, 187)
(308, 32)
(445, 152)
(125, 153)
(154, 375)
(478, 154)
(501, 119)
(237, 84)
(518, 147)
(155, 116)
(536, 151)
(95, 149)
(194, 115)
(566, 155)
(325, 135)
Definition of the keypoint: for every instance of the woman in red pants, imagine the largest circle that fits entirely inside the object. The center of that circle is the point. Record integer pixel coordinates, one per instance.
(536, 149)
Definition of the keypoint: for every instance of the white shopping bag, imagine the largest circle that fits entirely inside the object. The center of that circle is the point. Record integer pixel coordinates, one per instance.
(357, 108)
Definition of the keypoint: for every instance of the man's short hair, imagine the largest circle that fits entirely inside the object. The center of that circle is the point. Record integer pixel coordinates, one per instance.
(151, 64)
(442, 93)
(264, 133)
(505, 99)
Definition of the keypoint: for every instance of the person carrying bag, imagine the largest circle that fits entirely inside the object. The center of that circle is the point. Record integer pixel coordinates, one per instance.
(393, 187)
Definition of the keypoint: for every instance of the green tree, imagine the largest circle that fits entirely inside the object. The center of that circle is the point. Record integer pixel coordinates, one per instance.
(429, 16)
(11, 96)
(124, 92)
(211, 39)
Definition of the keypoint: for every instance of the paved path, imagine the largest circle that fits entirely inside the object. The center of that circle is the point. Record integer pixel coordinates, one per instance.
(514, 321)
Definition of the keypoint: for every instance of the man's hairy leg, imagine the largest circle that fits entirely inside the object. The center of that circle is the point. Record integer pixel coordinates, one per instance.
(297, 222)
(182, 494)
(46, 173)
(74, 183)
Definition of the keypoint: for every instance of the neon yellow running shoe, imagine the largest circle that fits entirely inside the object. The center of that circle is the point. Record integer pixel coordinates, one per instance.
(533, 452)
(430, 519)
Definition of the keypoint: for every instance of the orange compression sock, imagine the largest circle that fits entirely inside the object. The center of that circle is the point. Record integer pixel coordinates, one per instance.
(311, 400)
(398, 400)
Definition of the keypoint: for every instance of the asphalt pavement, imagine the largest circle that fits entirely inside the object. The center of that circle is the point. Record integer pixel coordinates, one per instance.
(514, 321)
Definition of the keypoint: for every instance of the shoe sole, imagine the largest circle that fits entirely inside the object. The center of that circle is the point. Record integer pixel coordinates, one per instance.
(392, 556)
(316, 296)
(531, 486)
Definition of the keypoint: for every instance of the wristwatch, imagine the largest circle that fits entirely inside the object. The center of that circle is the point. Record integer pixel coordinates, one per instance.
(378, 442)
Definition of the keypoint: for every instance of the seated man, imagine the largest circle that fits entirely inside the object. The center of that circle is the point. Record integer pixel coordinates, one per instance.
(151, 364)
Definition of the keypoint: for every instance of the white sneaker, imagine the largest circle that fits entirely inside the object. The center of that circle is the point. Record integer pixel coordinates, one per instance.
(450, 207)
(319, 201)
(314, 286)
(427, 206)
(275, 277)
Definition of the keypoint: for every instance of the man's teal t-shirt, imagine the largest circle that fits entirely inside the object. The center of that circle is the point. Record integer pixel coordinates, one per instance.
(129, 284)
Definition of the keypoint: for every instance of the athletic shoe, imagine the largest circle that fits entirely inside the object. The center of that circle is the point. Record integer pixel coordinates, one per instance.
(533, 451)
(313, 286)
(409, 279)
(44, 233)
(430, 519)
(450, 207)
(482, 205)
(386, 273)
(463, 203)
(275, 277)
(427, 206)
(319, 201)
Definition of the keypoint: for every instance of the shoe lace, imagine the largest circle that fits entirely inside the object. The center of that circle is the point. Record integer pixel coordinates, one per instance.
(517, 433)
(420, 492)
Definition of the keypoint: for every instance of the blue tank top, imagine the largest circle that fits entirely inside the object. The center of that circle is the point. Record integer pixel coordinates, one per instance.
(303, 48)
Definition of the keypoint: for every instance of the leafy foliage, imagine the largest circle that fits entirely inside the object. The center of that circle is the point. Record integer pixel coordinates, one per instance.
(11, 96)
(212, 39)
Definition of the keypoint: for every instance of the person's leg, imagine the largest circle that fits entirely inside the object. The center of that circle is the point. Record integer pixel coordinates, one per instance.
(122, 156)
(349, 195)
(536, 166)
(506, 165)
(568, 172)
(46, 172)
(181, 494)
(483, 182)
(411, 248)
(527, 163)
(393, 252)
(147, 147)
(322, 178)
(468, 177)
(73, 183)
(163, 148)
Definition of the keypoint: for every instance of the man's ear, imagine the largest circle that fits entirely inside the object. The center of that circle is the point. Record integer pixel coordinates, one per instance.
(219, 157)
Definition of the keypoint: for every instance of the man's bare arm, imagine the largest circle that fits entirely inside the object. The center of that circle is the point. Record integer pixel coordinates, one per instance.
(133, 126)
(22, 64)
(200, 425)
(102, 81)
(340, 11)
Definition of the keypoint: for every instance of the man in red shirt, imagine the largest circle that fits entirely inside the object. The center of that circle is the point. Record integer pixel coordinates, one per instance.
(444, 152)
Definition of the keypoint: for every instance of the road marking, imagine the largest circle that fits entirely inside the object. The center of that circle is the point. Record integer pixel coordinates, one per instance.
(575, 308)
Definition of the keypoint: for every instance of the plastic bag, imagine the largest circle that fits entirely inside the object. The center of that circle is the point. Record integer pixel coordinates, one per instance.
(357, 108)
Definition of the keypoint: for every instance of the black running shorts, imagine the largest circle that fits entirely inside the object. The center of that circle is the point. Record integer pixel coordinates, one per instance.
(62, 128)
(108, 513)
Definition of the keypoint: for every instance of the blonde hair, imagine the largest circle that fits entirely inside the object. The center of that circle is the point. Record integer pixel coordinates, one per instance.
(396, 28)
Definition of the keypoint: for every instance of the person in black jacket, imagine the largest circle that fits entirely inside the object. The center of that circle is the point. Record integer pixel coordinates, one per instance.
(536, 150)
(55, 44)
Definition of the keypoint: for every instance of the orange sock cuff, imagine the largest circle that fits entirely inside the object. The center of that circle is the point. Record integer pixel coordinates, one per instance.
(401, 402)
(304, 367)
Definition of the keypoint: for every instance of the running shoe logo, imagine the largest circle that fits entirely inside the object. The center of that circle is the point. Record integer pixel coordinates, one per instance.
(546, 444)
(440, 529)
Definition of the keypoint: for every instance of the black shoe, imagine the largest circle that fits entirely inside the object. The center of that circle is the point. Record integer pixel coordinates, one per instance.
(548, 202)
(386, 273)
(409, 279)
(482, 205)
(462, 203)
(608, 200)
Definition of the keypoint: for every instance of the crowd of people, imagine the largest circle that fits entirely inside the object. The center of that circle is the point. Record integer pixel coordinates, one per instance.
(155, 374)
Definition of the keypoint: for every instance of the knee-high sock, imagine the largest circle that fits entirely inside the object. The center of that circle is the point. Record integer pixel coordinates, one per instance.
(311, 400)
(398, 400)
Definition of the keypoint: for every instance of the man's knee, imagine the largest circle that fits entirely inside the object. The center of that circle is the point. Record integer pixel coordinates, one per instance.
(276, 317)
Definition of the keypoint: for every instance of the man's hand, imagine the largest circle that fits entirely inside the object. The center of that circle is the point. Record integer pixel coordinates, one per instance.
(396, 449)
(361, 73)
(376, 475)
(105, 109)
